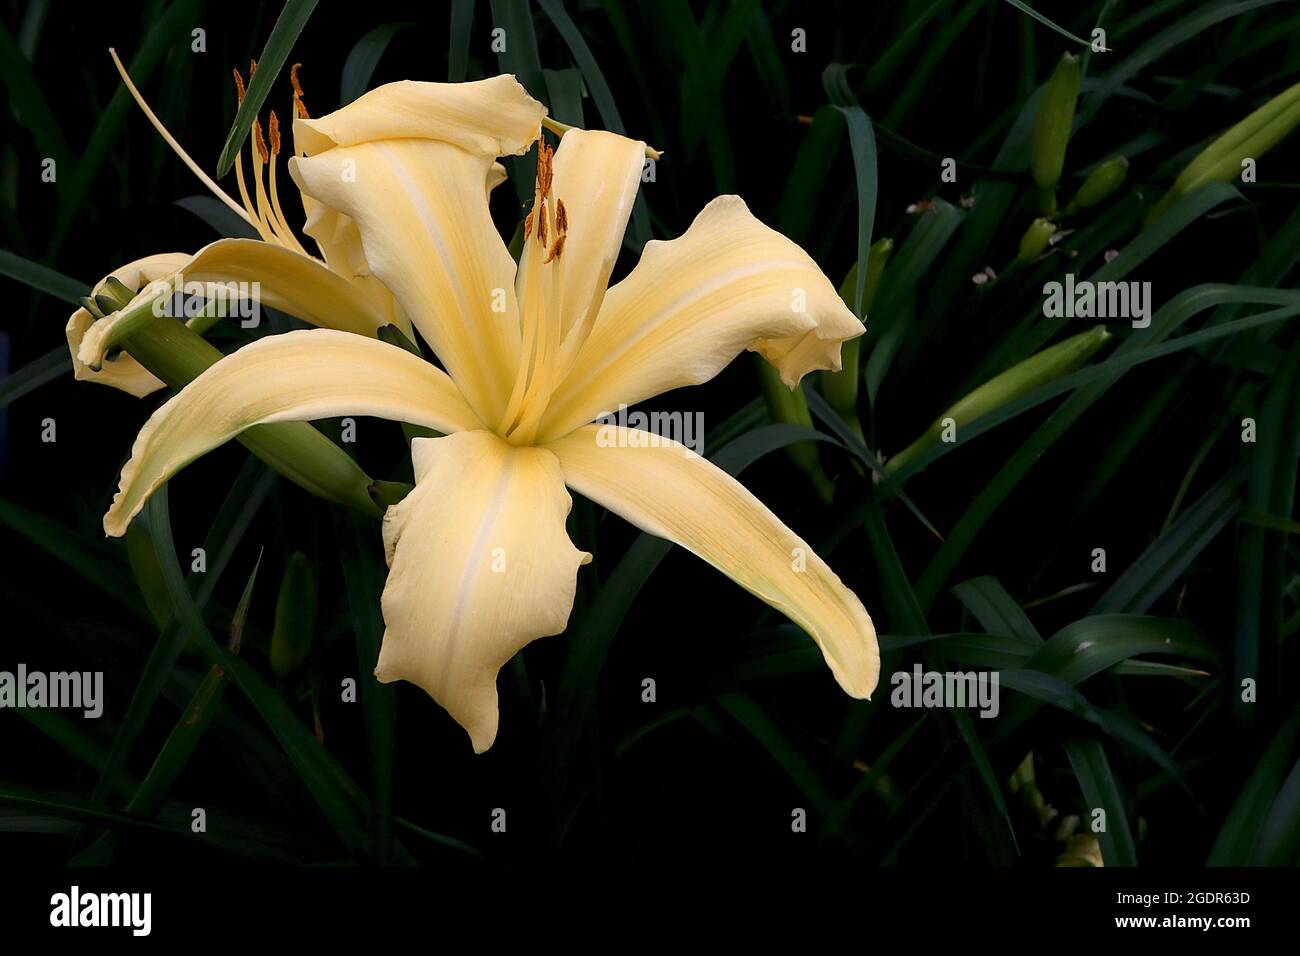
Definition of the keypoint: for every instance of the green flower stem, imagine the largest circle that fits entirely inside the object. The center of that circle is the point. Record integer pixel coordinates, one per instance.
(788, 406)
(178, 355)
(117, 297)
(1019, 380)
(841, 388)
(388, 493)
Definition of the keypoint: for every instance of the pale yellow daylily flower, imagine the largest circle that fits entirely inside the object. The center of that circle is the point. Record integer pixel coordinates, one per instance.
(479, 560)
(336, 290)
(122, 371)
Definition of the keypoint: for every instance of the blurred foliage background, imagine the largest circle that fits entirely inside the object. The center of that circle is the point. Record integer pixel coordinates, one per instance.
(1122, 689)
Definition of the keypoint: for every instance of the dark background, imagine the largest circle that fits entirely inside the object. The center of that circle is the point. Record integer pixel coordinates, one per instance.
(707, 784)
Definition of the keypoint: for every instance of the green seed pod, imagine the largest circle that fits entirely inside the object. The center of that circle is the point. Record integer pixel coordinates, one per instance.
(1052, 124)
(1101, 182)
(1017, 381)
(1034, 242)
(1221, 161)
(295, 617)
(841, 388)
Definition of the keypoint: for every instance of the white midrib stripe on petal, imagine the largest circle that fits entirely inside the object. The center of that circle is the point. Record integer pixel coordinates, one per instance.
(473, 565)
(645, 329)
(411, 187)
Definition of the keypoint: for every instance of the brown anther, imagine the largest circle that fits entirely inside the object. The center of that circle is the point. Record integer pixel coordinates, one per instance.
(544, 169)
(541, 224)
(239, 86)
(556, 249)
(561, 218)
(252, 70)
(261, 143)
(298, 102)
(528, 225)
(273, 128)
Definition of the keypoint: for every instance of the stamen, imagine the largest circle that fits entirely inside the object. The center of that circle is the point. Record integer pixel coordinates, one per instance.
(260, 157)
(279, 222)
(298, 104)
(544, 351)
(556, 249)
(251, 212)
(530, 300)
(171, 140)
(542, 386)
(544, 168)
(261, 143)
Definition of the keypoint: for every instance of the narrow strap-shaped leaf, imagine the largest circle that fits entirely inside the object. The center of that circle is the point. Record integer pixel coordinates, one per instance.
(1159, 566)
(788, 755)
(336, 794)
(365, 55)
(177, 19)
(590, 640)
(42, 278)
(361, 557)
(862, 139)
(1027, 9)
(462, 19)
(996, 610)
(639, 226)
(1101, 792)
(284, 34)
(34, 374)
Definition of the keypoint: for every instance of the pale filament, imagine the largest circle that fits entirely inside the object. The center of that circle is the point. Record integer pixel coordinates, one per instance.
(265, 215)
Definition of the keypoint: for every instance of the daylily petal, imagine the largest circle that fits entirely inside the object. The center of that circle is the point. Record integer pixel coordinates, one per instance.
(427, 234)
(123, 372)
(667, 490)
(492, 117)
(596, 177)
(275, 276)
(479, 565)
(339, 242)
(291, 282)
(729, 283)
(297, 376)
